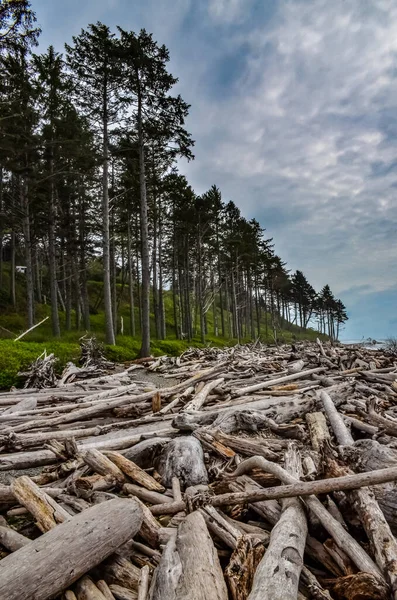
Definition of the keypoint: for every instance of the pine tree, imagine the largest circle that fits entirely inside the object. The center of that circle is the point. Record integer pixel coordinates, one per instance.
(147, 84)
(94, 61)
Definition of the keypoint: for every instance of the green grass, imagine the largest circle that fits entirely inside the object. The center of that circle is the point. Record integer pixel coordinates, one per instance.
(16, 356)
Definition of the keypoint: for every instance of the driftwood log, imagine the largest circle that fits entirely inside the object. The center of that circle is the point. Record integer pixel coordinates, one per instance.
(54, 561)
(265, 472)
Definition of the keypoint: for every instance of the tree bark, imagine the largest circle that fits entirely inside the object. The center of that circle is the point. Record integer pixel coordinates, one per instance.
(145, 347)
(107, 291)
(189, 566)
(54, 561)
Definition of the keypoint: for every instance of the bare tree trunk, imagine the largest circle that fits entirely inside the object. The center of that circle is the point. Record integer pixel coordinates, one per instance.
(107, 291)
(1, 227)
(113, 271)
(52, 263)
(12, 273)
(163, 332)
(130, 279)
(145, 347)
(28, 253)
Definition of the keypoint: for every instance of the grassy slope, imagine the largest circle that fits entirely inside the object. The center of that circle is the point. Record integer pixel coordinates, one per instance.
(16, 356)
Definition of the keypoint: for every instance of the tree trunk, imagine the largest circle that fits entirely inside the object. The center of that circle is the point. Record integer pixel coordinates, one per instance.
(107, 290)
(28, 252)
(145, 347)
(81, 543)
(52, 262)
(130, 279)
(189, 566)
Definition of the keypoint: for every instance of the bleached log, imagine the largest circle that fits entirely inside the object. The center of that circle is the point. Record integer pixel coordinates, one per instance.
(122, 593)
(11, 539)
(104, 588)
(318, 430)
(200, 398)
(143, 587)
(277, 576)
(47, 512)
(129, 468)
(30, 329)
(150, 528)
(272, 382)
(85, 589)
(183, 458)
(57, 559)
(323, 486)
(24, 405)
(296, 366)
(102, 465)
(146, 495)
(334, 528)
(220, 527)
(189, 566)
(383, 543)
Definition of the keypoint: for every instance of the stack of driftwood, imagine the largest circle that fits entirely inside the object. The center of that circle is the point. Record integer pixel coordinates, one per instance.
(262, 473)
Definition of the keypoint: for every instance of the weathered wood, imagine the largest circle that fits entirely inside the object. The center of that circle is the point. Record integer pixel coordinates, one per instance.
(122, 593)
(143, 587)
(377, 529)
(277, 576)
(318, 430)
(104, 588)
(146, 495)
(85, 589)
(323, 486)
(339, 428)
(102, 465)
(119, 570)
(57, 559)
(239, 573)
(11, 539)
(199, 399)
(334, 528)
(134, 472)
(47, 512)
(183, 458)
(189, 567)
(272, 382)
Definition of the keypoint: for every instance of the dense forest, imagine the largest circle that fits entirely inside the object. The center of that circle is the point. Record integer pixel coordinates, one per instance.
(90, 143)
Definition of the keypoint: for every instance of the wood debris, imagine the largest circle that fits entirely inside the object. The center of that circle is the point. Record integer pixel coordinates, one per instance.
(263, 473)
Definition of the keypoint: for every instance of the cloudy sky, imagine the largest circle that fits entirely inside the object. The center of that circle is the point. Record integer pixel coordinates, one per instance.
(294, 113)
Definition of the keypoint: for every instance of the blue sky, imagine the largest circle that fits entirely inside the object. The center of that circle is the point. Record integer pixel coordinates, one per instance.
(294, 113)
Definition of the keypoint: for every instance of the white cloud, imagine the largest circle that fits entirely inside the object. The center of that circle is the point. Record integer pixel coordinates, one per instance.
(228, 11)
(302, 133)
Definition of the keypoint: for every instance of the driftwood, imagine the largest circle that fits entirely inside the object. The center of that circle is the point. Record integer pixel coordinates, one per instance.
(189, 567)
(80, 543)
(378, 530)
(277, 576)
(183, 458)
(177, 451)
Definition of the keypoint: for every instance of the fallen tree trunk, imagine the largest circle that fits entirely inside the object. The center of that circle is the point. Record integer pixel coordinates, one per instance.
(323, 486)
(57, 559)
(189, 566)
(278, 573)
(183, 458)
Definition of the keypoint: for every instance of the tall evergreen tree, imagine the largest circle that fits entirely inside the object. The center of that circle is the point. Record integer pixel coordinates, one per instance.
(94, 61)
(147, 84)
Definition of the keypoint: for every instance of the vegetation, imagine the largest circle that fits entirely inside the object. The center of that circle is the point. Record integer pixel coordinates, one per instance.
(100, 230)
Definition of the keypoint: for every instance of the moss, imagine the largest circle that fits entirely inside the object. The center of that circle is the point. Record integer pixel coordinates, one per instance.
(17, 356)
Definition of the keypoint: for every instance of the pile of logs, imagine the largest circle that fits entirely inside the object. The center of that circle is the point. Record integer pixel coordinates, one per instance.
(264, 473)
